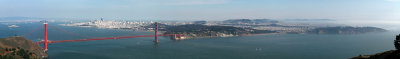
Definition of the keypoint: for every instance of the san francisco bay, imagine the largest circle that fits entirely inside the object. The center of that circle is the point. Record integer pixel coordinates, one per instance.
(267, 46)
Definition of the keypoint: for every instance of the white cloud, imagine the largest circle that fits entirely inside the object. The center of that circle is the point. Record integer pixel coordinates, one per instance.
(393, 0)
(195, 2)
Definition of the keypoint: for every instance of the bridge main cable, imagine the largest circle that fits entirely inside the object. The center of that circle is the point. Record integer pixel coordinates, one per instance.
(70, 32)
(107, 38)
(34, 30)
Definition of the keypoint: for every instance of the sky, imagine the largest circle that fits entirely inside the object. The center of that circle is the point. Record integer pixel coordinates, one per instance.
(345, 10)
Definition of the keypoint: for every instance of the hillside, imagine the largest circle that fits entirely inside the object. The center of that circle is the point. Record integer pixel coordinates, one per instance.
(196, 30)
(345, 30)
(392, 54)
(249, 21)
(20, 48)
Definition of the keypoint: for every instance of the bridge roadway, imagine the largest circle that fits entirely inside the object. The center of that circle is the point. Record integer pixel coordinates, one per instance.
(106, 38)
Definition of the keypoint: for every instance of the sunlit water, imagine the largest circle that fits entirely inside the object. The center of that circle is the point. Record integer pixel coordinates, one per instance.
(273, 46)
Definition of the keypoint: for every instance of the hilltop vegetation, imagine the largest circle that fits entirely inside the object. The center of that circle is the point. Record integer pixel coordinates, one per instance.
(20, 48)
(197, 30)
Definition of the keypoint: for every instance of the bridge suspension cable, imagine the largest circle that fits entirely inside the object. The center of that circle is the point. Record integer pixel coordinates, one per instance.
(106, 38)
(34, 30)
(70, 32)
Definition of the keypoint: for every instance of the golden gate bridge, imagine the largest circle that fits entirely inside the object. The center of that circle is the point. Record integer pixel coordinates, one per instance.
(46, 42)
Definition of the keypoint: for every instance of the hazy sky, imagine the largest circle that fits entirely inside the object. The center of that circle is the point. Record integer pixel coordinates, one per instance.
(206, 9)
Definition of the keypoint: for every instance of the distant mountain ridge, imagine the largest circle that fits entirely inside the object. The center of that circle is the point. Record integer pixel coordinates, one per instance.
(250, 21)
(309, 20)
(20, 18)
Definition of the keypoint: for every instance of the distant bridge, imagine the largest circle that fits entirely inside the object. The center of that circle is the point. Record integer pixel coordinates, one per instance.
(46, 42)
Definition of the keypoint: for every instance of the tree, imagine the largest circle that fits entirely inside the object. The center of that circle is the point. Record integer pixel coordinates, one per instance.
(397, 42)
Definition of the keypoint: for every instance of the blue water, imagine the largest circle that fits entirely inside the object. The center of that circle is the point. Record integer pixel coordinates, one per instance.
(273, 46)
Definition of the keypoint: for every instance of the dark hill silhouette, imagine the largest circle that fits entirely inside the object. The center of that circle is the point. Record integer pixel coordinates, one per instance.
(392, 54)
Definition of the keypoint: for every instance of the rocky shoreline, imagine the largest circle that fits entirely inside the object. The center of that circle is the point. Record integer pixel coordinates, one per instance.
(392, 54)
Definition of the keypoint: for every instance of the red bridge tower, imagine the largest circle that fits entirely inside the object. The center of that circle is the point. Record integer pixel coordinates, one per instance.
(45, 36)
(156, 32)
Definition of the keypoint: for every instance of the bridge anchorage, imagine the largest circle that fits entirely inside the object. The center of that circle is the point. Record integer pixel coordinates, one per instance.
(46, 42)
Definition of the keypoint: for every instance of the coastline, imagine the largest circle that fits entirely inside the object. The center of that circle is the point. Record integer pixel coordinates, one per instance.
(229, 36)
(391, 54)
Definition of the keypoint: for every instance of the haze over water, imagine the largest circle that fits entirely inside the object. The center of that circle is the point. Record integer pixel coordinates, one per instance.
(356, 13)
(269, 46)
